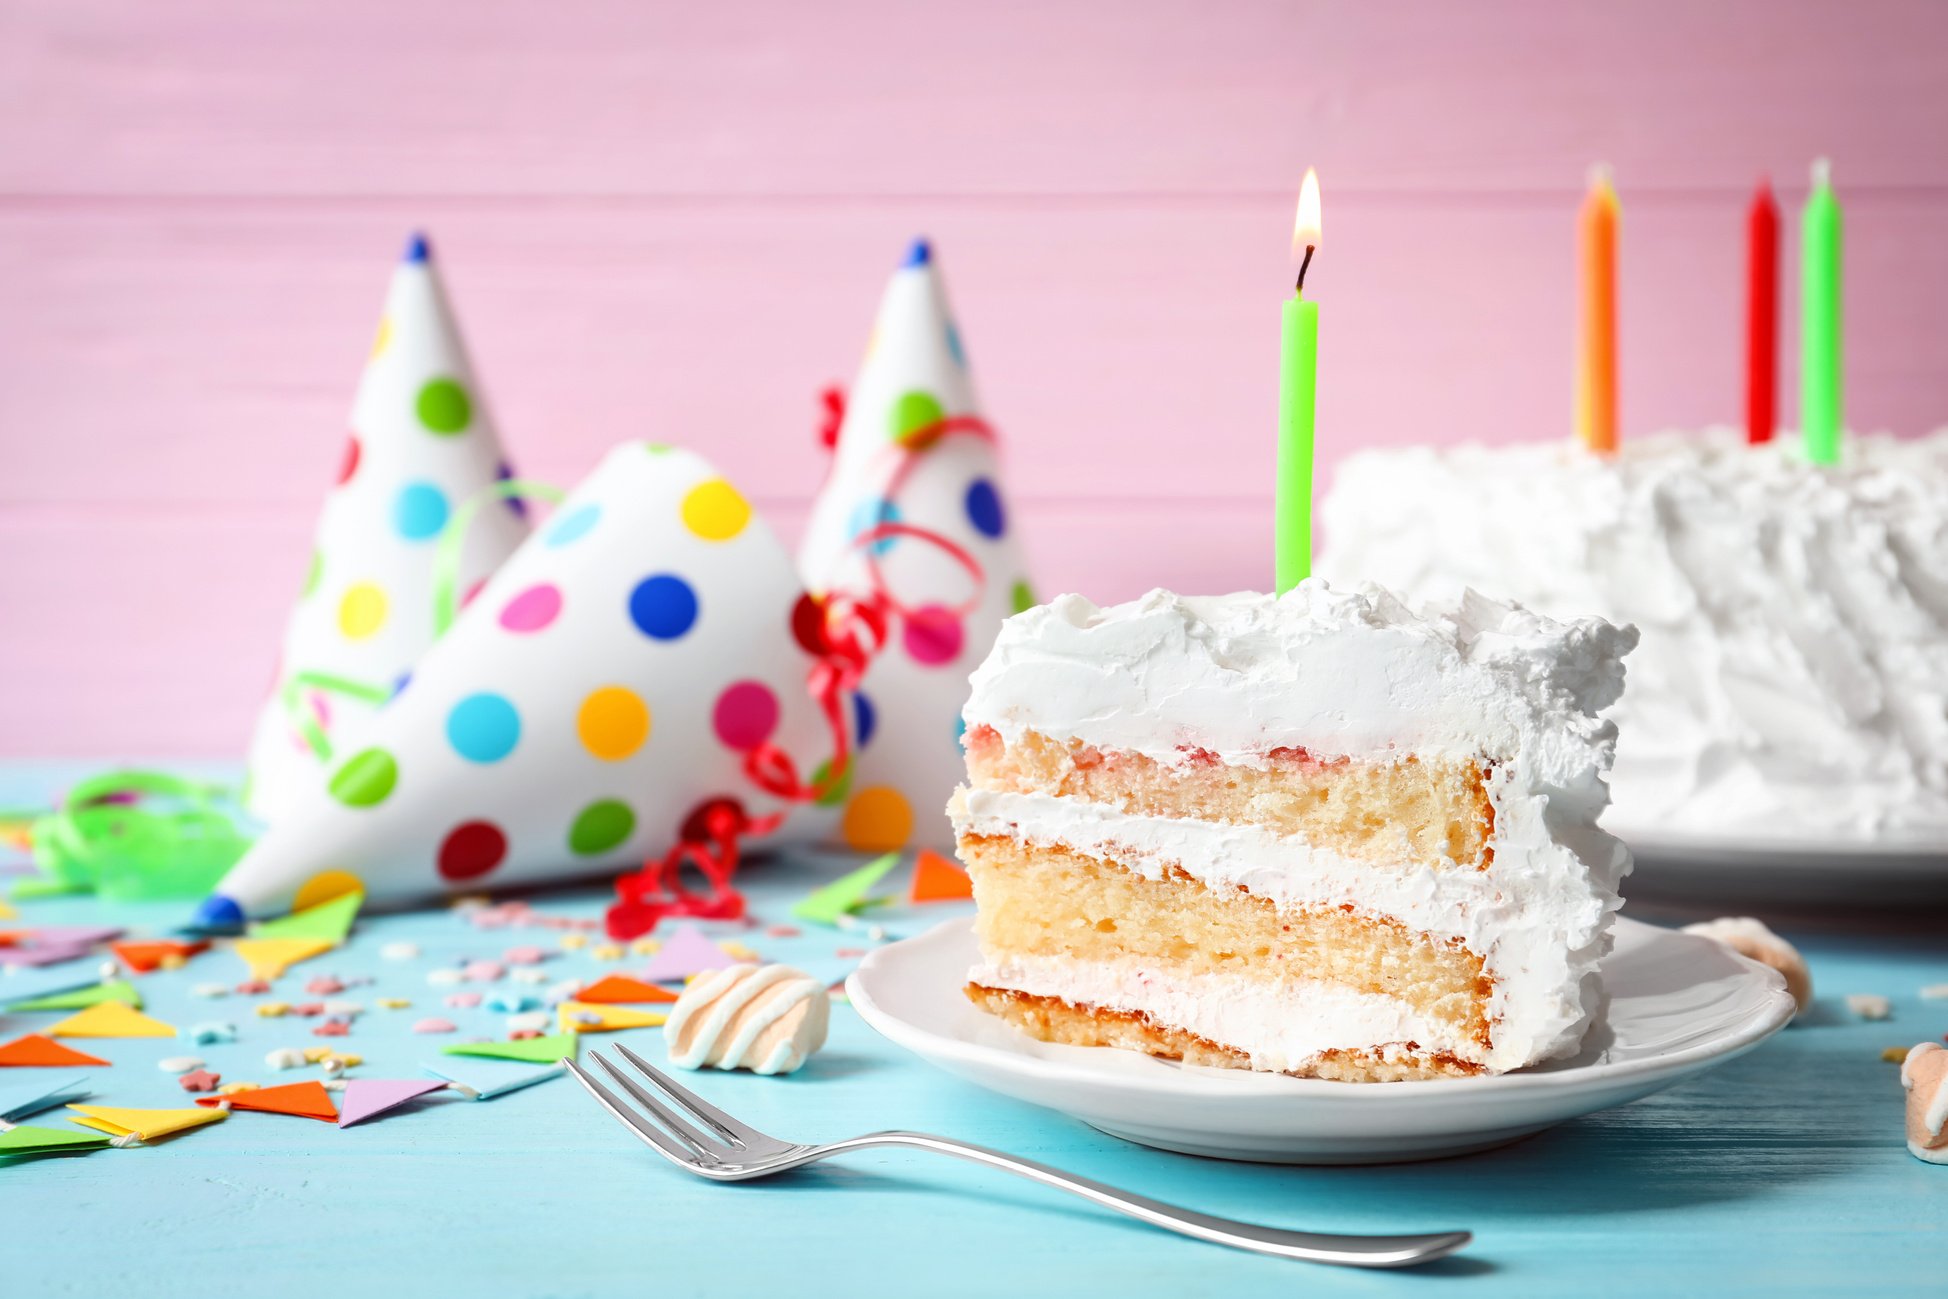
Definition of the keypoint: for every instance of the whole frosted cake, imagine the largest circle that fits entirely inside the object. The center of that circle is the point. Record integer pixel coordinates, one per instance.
(1793, 677)
(1324, 834)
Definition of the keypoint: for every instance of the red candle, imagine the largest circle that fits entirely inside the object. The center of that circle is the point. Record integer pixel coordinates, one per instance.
(1762, 316)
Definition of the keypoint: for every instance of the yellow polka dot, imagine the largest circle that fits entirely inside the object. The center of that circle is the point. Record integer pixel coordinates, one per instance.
(613, 723)
(383, 338)
(362, 611)
(324, 887)
(715, 510)
(878, 820)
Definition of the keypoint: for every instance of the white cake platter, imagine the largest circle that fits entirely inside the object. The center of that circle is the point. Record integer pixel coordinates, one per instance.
(1678, 1005)
(1799, 871)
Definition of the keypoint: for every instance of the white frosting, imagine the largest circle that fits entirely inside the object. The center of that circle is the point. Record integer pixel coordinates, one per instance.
(1281, 1026)
(1793, 674)
(768, 1019)
(1355, 673)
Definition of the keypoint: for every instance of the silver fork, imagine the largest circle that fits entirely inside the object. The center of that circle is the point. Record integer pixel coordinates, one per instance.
(710, 1143)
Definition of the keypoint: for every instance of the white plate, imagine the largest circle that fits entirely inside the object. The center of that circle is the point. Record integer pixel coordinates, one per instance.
(1751, 871)
(1678, 1005)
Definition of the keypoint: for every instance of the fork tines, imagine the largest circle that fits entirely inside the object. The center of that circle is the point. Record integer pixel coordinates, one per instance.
(678, 1139)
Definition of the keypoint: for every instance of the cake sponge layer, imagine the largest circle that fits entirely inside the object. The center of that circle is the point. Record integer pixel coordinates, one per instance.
(1435, 812)
(1042, 901)
(1051, 1019)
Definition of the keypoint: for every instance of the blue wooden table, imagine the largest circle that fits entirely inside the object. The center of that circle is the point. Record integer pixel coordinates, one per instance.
(1782, 1173)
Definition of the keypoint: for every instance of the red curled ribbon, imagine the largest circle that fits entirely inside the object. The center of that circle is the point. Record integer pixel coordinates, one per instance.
(852, 632)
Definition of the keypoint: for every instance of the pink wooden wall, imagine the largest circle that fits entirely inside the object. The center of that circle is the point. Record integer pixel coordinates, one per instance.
(672, 220)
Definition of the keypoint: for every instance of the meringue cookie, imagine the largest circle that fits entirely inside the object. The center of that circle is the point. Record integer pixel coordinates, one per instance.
(768, 1019)
(1752, 940)
(1924, 1076)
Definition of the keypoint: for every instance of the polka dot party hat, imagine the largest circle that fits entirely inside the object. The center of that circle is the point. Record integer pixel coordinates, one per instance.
(421, 444)
(605, 686)
(913, 517)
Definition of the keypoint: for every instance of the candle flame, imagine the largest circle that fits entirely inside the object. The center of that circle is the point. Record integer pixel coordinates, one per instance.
(1306, 228)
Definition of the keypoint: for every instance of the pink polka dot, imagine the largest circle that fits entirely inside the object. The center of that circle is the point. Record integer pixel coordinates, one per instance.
(533, 608)
(472, 591)
(320, 709)
(933, 636)
(746, 714)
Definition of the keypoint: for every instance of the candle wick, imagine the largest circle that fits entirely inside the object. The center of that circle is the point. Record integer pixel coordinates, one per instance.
(1303, 263)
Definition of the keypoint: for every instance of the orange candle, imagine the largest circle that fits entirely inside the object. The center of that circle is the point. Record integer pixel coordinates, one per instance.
(1596, 352)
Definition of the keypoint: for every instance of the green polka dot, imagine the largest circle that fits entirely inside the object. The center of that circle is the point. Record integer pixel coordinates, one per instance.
(366, 779)
(915, 411)
(839, 791)
(444, 407)
(658, 448)
(600, 826)
(1023, 596)
(317, 571)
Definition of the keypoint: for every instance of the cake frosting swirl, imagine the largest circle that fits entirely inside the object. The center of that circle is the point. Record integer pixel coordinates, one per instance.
(1793, 673)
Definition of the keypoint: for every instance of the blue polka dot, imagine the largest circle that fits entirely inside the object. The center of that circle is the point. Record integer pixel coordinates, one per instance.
(483, 728)
(218, 914)
(574, 525)
(954, 348)
(663, 606)
(864, 718)
(869, 514)
(984, 508)
(960, 731)
(399, 686)
(420, 511)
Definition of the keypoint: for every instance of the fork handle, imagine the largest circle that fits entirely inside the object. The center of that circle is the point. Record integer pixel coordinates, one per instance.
(1314, 1247)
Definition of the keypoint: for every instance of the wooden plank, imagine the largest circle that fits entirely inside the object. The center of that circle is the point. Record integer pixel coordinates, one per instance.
(206, 352)
(615, 97)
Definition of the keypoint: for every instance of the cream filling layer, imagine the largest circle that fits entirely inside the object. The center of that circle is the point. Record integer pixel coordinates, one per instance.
(1538, 921)
(1282, 1026)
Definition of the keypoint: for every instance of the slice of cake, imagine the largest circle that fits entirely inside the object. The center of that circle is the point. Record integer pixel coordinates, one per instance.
(1324, 834)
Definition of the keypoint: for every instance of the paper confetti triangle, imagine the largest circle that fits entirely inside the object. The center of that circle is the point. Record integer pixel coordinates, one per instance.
(935, 879)
(145, 1125)
(146, 956)
(330, 921)
(111, 1019)
(533, 1050)
(112, 990)
(270, 957)
(29, 1096)
(847, 893)
(620, 987)
(486, 1080)
(587, 1017)
(365, 1097)
(47, 1141)
(39, 954)
(684, 953)
(24, 985)
(35, 1050)
(306, 1100)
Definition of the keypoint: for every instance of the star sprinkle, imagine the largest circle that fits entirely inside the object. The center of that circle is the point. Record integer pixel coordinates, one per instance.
(332, 1028)
(37, 1051)
(111, 1019)
(199, 1080)
(305, 1100)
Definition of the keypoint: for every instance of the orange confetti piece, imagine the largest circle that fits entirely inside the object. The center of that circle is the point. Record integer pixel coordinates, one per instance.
(935, 879)
(305, 1100)
(37, 1051)
(148, 957)
(622, 988)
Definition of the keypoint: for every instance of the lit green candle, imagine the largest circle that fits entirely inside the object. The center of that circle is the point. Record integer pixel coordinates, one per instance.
(1298, 361)
(1819, 320)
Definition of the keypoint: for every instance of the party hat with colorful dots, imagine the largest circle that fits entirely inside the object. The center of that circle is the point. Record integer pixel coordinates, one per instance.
(617, 675)
(913, 519)
(421, 445)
